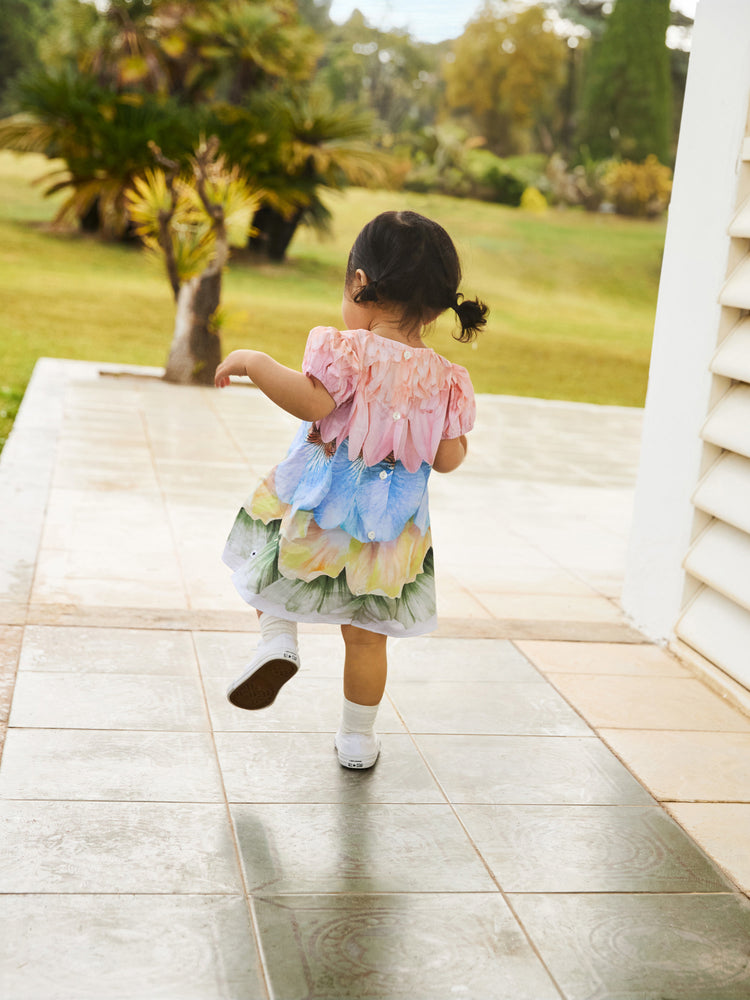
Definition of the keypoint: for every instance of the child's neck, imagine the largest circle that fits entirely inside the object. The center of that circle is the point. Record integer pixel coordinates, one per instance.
(391, 329)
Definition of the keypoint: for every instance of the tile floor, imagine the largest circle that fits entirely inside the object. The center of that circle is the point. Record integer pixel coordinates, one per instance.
(559, 810)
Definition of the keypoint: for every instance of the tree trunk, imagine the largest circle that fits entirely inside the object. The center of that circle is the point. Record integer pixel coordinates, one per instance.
(275, 232)
(90, 221)
(196, 350)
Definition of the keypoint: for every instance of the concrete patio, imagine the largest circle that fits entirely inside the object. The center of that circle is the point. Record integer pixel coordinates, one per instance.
(560, 809)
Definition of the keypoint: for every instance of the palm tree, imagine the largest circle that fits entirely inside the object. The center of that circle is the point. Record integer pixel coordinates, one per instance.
(191, 220)
(318, 146)
(101, 137)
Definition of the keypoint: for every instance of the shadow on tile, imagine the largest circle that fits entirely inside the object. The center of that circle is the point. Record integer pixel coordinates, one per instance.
(303, 767)
(391, 947)
(323, 848)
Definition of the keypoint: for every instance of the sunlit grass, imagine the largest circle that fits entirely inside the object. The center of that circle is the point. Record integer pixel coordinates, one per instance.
(572, 296)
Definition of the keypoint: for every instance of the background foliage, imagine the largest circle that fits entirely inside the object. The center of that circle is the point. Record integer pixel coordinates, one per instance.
(302, 105)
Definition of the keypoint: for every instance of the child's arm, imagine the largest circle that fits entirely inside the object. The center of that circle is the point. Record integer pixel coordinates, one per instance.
(301, 395)
(450, 454)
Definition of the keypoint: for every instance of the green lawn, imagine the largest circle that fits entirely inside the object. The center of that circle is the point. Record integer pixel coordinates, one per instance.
(572, 296)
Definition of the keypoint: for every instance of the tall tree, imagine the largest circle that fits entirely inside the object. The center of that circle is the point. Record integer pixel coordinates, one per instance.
(627, 103)
(505, 76)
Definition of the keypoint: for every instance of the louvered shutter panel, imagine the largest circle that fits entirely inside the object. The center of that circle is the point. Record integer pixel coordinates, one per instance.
(716, 621)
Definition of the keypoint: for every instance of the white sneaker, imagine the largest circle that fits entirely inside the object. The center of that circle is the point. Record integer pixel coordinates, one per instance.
(357, 750)
(275, 662)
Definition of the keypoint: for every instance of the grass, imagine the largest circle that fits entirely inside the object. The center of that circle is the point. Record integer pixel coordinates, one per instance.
(572, 295)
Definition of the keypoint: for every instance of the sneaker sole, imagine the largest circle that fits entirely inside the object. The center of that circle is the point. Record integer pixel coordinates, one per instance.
(259, 690)
(356, 763)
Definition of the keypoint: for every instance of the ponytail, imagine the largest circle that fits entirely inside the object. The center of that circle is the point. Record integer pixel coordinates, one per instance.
(472, 315)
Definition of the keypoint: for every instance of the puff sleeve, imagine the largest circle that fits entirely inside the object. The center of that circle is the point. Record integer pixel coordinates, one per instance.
(331, 358)
(462, 407)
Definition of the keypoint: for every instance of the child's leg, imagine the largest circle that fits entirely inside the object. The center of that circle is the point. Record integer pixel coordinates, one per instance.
(365, 665)
(365, 668)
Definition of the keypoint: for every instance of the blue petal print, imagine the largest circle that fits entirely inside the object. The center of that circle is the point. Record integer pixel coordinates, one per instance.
(304, 477)
(386, 502)
(373, 503)
(336, 507)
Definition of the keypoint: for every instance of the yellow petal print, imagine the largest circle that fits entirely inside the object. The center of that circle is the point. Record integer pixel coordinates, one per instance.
(264, 504)
(306, 551)
(384, 567)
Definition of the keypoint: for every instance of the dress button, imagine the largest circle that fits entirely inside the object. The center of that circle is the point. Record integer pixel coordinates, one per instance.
(371, 535)
(407, 355)
(383, 474)
(396, 416)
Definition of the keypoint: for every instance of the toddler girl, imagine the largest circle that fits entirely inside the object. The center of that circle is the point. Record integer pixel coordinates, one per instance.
(339, 531)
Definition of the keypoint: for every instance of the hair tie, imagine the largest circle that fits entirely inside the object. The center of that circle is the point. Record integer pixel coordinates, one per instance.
(456, 303)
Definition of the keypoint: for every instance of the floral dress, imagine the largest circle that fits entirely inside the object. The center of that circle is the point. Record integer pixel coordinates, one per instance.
(339, 531)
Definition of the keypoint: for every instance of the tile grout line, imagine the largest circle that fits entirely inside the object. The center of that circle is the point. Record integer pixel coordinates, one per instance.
(479, 854)
(249, 902)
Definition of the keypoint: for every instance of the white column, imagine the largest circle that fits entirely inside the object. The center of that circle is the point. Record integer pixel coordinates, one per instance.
(687, 316)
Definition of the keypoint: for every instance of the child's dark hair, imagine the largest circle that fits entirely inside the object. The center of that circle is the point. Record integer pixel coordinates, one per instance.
(411, 261)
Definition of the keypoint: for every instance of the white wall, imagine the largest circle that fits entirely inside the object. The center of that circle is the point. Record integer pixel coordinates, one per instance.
(687, 316)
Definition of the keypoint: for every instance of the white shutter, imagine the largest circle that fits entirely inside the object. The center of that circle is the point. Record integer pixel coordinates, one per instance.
(716, 621)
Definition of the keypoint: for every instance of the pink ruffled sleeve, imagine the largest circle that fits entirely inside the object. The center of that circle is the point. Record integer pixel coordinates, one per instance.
(331, 358)
(462, 407)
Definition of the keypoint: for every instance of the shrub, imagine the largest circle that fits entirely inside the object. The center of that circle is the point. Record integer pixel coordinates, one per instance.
(583, 185)
(493, 179)
(641, 189)
(532, 200)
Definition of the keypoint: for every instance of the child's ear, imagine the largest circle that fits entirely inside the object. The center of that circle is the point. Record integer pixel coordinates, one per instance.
(361, 277)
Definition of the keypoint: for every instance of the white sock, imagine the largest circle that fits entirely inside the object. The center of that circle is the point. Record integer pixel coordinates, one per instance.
(357, 718)
(271, 627)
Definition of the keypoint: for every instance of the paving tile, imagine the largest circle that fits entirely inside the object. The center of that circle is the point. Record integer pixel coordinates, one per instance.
(602, 658)
(127, 947)
(108, 650)
(322, 848)
(550, 606)
(112, 765)
(107, 701)
(709, 767)
(721, 828)
(671, 703)
(642, 946)
(389, 947)
(533, 848)
(454, 599)
(485, 709)
(303, 767)
(530, 769)
(304, 705)
(111, 847)
(177, 477)
(425, 659)
(110, 525)
(53, 585)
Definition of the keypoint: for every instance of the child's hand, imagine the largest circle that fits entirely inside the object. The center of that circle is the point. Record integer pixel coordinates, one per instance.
(233, 364)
